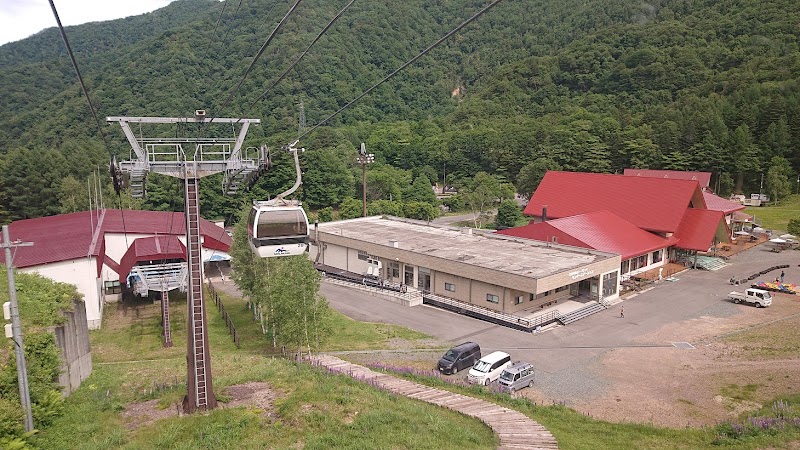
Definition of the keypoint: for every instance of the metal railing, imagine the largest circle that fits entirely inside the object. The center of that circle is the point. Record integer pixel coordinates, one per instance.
(225, 316)
(387, 289)
(501, 318)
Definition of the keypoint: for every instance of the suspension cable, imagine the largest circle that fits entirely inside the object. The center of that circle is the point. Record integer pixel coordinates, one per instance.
(80, 78)
(408, 63)
(255, 59)
(89, 101)
(302, 55)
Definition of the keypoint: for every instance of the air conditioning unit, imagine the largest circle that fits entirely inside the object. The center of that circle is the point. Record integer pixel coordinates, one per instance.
(200, 114)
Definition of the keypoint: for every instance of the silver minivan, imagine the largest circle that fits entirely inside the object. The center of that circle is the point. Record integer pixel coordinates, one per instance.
(517, 376)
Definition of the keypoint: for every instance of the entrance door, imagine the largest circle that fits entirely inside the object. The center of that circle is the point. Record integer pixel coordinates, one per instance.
(424, 279)
(408, 279)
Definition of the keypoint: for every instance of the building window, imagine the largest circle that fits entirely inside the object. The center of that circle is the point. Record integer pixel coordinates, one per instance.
(492, 298)
(548, 293)
(450, 287)
(562, 288)
(625, 267)
(609, 284)
(519, 300)
(112, 287)
(394, 269)
(362, 255)
(656, 256)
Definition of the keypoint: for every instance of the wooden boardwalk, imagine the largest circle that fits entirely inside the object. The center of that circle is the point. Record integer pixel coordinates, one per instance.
(516, 430)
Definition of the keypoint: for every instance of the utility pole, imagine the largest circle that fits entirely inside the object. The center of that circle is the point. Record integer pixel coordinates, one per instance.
(16, 327)
(364, 158)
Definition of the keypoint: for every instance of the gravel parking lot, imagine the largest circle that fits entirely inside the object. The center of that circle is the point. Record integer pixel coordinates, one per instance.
(628, 369)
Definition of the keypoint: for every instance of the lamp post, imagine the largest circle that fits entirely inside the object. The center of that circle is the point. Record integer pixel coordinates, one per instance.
(364, 158)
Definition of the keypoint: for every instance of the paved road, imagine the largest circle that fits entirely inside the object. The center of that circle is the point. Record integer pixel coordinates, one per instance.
(564, 355)
(447, 220)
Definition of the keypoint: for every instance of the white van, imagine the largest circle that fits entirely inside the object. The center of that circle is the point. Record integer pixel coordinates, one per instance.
(488, 368)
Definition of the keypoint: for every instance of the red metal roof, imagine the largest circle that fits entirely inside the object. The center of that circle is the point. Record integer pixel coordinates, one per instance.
(699, 227)
(717, 203)
(148, 249)
(704, 178)
(600, 230)
(69, 236)
(653, 204)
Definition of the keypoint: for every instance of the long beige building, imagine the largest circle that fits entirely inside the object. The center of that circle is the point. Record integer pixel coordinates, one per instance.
(502, 273)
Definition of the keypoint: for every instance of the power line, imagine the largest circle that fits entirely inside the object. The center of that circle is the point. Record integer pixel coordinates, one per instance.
(408, 63)
(236, 13)
(302, 55)
(255, 59)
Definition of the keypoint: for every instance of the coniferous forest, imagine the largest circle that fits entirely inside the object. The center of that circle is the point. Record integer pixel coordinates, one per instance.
(530, 86)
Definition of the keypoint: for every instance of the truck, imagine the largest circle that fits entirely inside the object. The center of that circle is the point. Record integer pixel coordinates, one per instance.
(758, 297)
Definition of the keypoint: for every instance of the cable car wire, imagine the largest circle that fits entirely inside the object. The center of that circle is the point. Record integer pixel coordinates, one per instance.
(255, 59)
(302, 55)
(80, 78)
(406, 64)
(236, 13)
(89, 101)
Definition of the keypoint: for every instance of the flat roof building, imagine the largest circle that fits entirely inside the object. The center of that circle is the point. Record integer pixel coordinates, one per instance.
(502, 273)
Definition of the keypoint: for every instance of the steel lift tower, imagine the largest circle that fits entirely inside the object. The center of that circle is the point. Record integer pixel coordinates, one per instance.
(191, 158)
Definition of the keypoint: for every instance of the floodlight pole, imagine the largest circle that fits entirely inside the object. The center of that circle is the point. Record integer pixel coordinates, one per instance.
(364, 158)
(16, 327)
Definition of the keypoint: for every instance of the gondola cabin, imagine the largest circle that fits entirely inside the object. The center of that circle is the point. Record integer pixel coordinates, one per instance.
(278, 230)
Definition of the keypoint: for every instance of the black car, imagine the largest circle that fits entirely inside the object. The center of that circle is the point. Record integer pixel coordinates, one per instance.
(459, 357)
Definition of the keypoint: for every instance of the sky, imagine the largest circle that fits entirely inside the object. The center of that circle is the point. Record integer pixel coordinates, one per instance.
(22, 18)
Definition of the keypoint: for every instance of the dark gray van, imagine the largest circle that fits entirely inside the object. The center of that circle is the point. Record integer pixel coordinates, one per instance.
(459, 357)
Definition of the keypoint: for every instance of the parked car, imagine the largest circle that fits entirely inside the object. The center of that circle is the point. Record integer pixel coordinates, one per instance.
(488, 368)
(459, 357)
(517, 376)
(758, 297)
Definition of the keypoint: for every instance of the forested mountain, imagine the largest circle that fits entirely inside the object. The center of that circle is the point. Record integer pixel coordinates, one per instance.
(533, 84)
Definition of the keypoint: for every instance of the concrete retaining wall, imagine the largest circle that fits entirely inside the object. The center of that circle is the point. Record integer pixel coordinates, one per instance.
(72, 340)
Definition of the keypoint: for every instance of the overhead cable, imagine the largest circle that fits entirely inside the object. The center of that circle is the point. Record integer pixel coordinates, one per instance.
(80, 78)
(302, 55)
(255, 59)
(408, 63)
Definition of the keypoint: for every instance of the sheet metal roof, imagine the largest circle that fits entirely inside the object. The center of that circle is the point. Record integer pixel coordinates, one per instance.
(485, 250)
(699, 227)
(601, 230)
(148, 249)
(717, 203)
(704, 178)
(69, 236)
(653, 204)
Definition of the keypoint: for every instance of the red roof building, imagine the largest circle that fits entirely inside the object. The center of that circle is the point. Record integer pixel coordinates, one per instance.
(652, 204)
(703, 178)
(600, 230)
(93, 249)
(670, 209)
(717, 203)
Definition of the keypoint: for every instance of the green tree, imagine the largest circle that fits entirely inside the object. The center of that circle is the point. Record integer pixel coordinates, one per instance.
(325, 214)
(508, 214)
(420, 211)
(420, 190)
(794, 226)
(327, 179)
(532, 173)
(481, 194)
(385, 207)
(350, 209)
(73, 196)
(726, 185)
(778, 180)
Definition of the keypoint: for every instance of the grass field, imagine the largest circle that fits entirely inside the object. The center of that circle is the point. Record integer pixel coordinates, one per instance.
(776, 217)
(310, 408)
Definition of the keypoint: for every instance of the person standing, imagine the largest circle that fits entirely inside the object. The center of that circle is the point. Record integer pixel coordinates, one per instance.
(622, 312)
(782, 274)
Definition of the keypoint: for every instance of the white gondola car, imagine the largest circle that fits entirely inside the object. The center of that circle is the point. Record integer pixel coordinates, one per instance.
(278, 230)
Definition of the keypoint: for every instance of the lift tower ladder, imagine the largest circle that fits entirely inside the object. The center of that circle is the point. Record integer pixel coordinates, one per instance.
(164, 153)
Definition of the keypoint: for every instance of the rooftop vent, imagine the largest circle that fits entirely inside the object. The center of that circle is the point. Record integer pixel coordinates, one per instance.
(394, 243)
